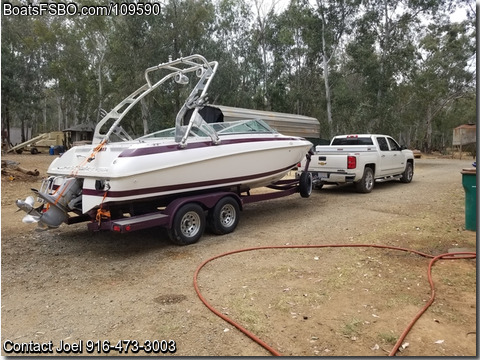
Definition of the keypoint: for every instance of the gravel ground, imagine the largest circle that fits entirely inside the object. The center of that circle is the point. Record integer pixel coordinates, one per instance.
(68, 285)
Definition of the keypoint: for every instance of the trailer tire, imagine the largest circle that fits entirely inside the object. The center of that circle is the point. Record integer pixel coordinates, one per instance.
(188, 225)
(366, 183)
(305, 184)
(224, 216)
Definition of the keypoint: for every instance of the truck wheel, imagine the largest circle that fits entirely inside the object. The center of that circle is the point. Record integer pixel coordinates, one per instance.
(223, 218)
(34, 151)
(188, 225)
(407, 174)
(365, 185)
(305, 184)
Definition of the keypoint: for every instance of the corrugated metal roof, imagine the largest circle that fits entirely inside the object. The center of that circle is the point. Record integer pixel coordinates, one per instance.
(467, 126)
(287, 124)
(81, 127)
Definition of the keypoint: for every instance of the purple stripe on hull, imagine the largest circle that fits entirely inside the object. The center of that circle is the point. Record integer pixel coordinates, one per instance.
(194, 145)
(186, 187)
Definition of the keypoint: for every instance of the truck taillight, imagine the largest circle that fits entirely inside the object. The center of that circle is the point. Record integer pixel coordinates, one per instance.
(351, 162)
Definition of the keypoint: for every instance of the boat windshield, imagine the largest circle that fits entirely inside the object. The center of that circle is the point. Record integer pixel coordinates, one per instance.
(242, 127)
(221, 128)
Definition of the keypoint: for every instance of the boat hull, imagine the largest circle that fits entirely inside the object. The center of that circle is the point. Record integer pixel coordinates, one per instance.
(139, 171)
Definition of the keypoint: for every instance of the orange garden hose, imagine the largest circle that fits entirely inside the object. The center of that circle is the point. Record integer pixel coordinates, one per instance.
(447, 256)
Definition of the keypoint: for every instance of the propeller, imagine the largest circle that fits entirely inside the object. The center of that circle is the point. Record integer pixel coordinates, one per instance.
(30, 219)
(33, 215)
(25, 205)
(30, 200)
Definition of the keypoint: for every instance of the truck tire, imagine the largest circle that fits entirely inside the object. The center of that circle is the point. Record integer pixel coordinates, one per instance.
(224, 216)
(188, 224)
(407, 174)
(305, 184)
(366, 183)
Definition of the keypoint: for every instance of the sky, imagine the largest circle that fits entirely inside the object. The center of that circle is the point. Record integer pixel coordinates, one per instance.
(281, 5)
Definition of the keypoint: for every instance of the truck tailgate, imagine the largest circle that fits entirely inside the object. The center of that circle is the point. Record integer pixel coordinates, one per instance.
(339, 149)
(334, 158)
(328, 163)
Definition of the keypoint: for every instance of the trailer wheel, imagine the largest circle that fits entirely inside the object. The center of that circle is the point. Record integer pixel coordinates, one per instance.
(365, 185)
(223, 218)
(188, 225)
(305, 184)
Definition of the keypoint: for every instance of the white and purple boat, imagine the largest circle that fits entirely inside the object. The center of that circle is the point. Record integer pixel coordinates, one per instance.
(118, 175)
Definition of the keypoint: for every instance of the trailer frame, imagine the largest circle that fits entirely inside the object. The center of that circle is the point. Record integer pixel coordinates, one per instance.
(167, 217)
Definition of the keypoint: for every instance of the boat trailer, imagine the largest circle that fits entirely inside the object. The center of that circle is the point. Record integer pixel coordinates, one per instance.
(185, 218)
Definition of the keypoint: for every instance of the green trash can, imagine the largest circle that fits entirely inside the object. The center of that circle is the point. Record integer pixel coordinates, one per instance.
(469, 182)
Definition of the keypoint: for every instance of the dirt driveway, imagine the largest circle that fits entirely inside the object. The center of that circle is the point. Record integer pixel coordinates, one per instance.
(71, 285)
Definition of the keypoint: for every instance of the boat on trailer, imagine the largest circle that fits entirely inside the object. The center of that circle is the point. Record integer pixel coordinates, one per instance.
(169, 177)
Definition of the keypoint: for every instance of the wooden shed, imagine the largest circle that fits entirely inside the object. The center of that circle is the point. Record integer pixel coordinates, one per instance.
(79, 134)
(465, 134)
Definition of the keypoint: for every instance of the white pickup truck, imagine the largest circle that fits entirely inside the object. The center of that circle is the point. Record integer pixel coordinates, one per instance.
(359, 159)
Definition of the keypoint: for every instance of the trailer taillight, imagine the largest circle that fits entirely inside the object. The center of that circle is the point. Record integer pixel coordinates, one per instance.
(118, 228)
(351, 162)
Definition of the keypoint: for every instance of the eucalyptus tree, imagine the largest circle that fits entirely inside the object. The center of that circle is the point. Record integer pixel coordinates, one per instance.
(234, 84)
(11, 93)
(411, 62)
(184, 27)
(70, 67)
(444, 74)
(335, 22)
(264, 12)
(95, 38)
(295, 75)
(130, 49)
(382, 52)
(23, 66)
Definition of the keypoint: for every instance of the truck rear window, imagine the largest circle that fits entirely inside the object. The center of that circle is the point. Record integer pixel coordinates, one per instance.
(353, 141)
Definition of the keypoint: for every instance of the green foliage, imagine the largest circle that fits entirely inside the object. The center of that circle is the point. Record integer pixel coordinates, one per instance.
(392, 66)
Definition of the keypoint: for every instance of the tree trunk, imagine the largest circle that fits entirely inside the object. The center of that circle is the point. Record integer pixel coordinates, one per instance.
(22, 129)
(100, 89)
(427, 139)
(6, 129)
(326, 73)
(328, 96)
(59, 107)
(45, 115)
